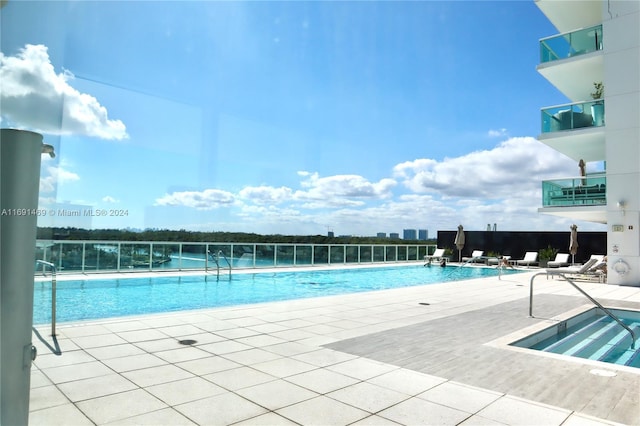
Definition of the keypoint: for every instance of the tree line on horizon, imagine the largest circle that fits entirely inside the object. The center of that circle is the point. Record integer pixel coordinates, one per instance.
(182, 235)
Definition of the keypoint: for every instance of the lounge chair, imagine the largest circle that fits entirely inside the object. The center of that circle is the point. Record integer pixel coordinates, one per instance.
(530, 258)
(438, 254)
(586, 269)
(475, 256)
(562, 259)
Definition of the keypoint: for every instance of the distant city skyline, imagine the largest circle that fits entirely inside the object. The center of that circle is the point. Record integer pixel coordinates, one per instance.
(284, 117)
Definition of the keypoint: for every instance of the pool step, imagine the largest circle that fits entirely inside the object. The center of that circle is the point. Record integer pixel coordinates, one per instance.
(619, 350)
(581, 337)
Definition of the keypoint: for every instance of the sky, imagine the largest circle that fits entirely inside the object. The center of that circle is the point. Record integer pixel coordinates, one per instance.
(280, 117)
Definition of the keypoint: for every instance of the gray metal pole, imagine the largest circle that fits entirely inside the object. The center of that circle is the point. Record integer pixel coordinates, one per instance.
(19, 181)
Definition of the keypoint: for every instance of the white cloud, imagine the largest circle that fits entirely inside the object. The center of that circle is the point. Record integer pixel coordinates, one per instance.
(109, 199)
(341, 190)
(55, 176)
(33, 96)
(514, 168)
(266, 194)
(208, 199)
(497, 133)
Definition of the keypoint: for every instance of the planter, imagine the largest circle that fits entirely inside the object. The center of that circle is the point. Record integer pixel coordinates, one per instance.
(543, 263)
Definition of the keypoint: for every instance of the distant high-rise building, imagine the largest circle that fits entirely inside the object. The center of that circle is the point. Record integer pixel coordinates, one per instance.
(394, 235)
(381, 235)
(409, 234)
(423, 234)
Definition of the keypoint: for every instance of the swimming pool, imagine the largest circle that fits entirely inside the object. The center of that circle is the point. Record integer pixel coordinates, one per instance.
(106, 298)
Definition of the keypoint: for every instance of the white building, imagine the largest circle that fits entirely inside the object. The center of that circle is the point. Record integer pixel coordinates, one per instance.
(598, 42)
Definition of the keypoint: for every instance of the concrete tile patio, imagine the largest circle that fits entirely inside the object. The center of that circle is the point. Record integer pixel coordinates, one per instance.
(377, 358)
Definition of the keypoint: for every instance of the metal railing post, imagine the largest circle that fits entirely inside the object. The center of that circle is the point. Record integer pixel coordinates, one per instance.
(53, 293)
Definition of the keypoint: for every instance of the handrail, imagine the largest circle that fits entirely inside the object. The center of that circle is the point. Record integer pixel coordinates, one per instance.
(594, 301)
(216, 259)
(53, 293)
(466, 263)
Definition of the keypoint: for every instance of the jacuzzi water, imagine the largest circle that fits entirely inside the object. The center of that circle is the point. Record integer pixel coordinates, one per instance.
(591, 335)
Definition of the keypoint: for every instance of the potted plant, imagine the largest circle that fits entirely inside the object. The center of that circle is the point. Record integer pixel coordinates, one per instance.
(597, 108)
(545, 255)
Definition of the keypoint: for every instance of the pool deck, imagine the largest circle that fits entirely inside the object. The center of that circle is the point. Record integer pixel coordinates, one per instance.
(432, 354)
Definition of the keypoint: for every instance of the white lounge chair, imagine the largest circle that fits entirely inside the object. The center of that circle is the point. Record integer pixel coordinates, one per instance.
(475, 256)
(438, 254)
(530, 258)
(562, 259)
(585, 269)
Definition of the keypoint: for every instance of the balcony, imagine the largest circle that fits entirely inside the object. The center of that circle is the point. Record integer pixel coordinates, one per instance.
(571, 44)
(573, 116)
(582, 191)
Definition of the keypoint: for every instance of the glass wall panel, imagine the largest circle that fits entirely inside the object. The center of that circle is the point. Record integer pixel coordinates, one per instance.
(422, 252)
(378, 253)
(321, 255)
(337, 254)
(412, 253)
(366, 254)
(304, 255)
(166, 256)
(243, 255)
(402, 252)
(194, 256)
(265, 255)
(101, 256)
(285, 255)
(135, 256)
(391, 253)
(352, 254)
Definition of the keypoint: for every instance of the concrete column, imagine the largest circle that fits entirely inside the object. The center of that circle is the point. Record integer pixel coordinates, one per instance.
(20, 153)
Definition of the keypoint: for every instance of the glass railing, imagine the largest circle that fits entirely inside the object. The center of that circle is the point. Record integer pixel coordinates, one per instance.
(588, 190)
(573, 116)
(127, 256)
(571, 44)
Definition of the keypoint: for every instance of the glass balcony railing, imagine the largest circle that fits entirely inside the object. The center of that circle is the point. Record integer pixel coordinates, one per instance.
(590, 190)
(575, 43)
(573, 116)
(123, 256)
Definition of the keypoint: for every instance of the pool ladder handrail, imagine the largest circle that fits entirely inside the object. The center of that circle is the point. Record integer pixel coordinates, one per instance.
(594, 301)
(53, 291)
(216, 259)
(473, 259)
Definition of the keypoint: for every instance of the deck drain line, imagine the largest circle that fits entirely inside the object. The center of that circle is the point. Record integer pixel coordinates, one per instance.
(424, 303)
(188, 342)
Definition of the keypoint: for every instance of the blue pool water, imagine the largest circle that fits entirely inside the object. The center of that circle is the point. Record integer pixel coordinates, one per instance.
(591, 335)
(105, 298)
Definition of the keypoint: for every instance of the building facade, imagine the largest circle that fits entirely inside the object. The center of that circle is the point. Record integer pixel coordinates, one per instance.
(409, 234)
(594, 60)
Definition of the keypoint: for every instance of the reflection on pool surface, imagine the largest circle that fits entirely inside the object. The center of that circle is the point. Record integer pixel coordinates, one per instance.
(105, 298)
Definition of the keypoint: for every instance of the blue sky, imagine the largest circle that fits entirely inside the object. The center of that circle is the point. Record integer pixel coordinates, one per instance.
(285, 117)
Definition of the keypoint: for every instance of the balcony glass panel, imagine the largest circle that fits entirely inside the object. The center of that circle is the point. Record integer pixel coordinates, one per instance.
(243, 255)
(573, 116)
(304, 255)
(589, 190)
(571, 44)
(166, 256)
(285, 255)
(321, 255)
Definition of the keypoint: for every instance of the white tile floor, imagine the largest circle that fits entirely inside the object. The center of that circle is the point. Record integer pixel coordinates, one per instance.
(264, 365)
